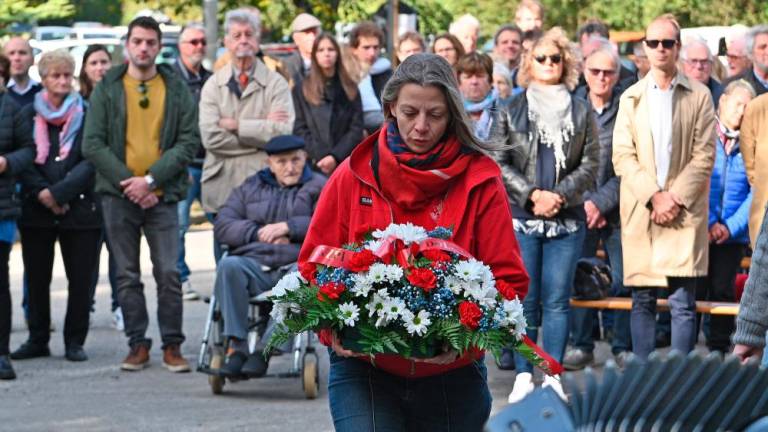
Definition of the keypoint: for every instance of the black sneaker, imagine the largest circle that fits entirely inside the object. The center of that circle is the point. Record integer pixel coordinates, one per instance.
(256, 365)
(6, 370)
(29, 350)
(233, 364)
(75, 353)
(507, 360)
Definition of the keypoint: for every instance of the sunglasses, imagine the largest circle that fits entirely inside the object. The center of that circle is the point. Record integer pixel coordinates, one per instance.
(144, 101)
(666, 43)
(554, 58)
(197, 42)
(605, 72)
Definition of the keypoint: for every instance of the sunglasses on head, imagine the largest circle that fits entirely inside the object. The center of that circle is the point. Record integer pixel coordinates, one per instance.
(197, 42)
(554, 58)
(666, 43)
(144, 101)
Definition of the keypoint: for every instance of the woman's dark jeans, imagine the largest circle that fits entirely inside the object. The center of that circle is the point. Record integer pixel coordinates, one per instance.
(551, 265)
(364, 398)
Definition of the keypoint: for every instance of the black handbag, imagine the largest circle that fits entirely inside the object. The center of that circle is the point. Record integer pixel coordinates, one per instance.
(592, 280)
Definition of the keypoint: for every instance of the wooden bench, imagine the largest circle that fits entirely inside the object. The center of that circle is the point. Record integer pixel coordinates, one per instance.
(625, 303)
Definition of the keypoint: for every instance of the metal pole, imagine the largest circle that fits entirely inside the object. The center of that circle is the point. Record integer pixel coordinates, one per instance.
(392, 19)
(211, 20)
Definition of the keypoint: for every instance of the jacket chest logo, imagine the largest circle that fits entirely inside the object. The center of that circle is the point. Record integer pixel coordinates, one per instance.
(366, 201)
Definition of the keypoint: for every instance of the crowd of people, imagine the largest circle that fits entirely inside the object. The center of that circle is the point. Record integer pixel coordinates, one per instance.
(541, 153)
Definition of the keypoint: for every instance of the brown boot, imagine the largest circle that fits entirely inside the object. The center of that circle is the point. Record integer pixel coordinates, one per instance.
(137, 359)
(173, 360)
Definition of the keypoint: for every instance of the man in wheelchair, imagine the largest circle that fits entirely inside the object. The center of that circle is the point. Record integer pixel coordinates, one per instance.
(263, 224)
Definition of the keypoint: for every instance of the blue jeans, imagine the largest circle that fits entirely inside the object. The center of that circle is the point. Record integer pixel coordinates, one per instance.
(363, 398)
(682, 309)
(765, 357)
(193, 193)
(551, 265)
(582, 319)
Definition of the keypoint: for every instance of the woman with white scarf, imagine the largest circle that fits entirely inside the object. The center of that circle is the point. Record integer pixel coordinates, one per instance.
(551, 159)
(58, 205)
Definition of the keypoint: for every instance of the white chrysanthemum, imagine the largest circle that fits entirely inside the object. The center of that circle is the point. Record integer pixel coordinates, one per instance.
(376, 305)
(454, 284)
(377, 273)
(280, 311)
(373, 245)
(489, 297)
(408, 233)
(393, 308)
(289, 282)
(394, 273)
(470, 270)
(350, 313)
(362, 285)
(515, 316)
(416, 324)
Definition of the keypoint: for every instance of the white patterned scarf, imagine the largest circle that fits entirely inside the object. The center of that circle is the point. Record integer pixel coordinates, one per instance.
(549, 108)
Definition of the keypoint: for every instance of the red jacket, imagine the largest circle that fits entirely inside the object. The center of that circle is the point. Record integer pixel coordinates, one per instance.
(476, 206)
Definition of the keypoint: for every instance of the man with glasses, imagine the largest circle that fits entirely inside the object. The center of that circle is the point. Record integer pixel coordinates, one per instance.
(697, 65)
(663, 151)
(189, 65)
(140, 134)
(757, 52)
(736, 54)
(601, 206)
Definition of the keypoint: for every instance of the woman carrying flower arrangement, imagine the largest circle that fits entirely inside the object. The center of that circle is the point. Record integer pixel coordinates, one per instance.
(424, 168)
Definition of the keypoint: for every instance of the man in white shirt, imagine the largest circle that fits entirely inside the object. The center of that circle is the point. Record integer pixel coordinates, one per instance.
(22, 87)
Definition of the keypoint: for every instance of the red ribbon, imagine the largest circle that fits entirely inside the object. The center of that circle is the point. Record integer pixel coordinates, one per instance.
(544, 361)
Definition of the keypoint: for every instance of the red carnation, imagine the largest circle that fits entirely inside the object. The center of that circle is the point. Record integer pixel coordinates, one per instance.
(436, 255)
(423, 278)
(361, 261)
(470, 314)
(330, 291)
(506, 289)
(308, 271)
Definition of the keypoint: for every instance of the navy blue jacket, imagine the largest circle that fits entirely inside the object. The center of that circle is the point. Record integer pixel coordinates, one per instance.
(730, 195)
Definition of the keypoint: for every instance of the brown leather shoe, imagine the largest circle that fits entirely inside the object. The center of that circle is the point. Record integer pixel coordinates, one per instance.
(137, 359)
(173, 360)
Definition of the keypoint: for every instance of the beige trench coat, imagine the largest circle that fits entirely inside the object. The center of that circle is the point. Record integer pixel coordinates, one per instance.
(754, 149)
(233, 157)
(652, 252)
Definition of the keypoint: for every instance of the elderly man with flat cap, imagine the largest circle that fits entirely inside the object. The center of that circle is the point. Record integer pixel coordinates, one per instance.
(263, 223)
(304, 30)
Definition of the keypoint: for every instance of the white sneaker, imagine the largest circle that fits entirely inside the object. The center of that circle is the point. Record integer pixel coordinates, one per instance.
(188, 293)
(554, 382)
(117, 320)
(522, 387)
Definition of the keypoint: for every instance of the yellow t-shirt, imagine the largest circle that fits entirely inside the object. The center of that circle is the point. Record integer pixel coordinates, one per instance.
(143, 126)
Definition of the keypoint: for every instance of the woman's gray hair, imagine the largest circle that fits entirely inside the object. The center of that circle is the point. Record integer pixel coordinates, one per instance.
(243, 16)
(432, 70)
(54, 59)
(752, 34)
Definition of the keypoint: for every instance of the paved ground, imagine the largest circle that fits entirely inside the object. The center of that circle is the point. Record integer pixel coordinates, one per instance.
(54, 394)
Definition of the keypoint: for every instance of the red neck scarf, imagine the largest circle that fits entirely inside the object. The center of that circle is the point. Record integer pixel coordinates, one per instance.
(414, 180)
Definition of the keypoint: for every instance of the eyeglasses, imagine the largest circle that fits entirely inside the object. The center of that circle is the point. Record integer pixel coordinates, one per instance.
(605, 72)
(144, 101)
(698, 62)
(666, 43)
(554, 58)
(197, 42)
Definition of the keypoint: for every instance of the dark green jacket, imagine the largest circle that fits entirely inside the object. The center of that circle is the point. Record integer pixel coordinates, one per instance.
(104, 141)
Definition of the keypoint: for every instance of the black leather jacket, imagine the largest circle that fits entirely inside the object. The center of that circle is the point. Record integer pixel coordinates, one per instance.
(518, 159)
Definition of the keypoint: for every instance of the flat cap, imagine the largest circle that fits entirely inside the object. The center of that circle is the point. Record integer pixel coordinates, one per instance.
(303, 22)
(284, 143)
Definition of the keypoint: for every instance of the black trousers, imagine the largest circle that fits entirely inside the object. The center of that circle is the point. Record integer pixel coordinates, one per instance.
(724, 264)
(79, 251)
(5, 298)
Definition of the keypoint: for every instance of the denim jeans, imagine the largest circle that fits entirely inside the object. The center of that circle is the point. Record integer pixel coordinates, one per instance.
(363, 398)
(765, 357)
(124, 223)
(551, 265)
(218, 248)
(193, 193)
(682, 309)
(582, 319)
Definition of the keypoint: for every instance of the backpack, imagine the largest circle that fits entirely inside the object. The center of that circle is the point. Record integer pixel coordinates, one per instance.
(592, 280)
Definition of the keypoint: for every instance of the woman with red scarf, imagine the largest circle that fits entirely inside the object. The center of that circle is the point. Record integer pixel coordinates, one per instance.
(425, 167)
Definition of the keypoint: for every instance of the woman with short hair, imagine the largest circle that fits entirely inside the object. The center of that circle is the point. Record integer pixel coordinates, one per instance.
(59, 205)
(448, 47)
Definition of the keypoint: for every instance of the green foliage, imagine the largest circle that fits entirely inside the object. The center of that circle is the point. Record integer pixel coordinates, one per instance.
(32, 11)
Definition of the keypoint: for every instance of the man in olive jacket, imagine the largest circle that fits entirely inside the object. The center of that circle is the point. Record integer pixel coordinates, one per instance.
(140, 134)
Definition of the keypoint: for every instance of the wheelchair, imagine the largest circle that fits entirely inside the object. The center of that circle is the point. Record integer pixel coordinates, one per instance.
(305, 361)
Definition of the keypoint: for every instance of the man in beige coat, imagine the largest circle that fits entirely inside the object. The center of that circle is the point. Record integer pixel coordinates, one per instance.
(754, 149)
(242, 106)
(663, 150)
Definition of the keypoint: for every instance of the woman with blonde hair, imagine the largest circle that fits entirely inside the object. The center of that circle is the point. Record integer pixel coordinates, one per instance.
(550, 161)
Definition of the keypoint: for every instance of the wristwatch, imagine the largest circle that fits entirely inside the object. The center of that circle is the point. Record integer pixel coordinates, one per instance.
(150, 181)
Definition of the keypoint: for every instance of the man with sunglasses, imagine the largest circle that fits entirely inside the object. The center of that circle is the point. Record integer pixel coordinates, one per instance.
(140, 134)
(663, 151)
(189, 65)
(757, 52)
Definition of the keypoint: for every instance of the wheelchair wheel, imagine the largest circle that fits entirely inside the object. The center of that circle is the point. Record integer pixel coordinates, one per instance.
(215, 381)
(310, 376)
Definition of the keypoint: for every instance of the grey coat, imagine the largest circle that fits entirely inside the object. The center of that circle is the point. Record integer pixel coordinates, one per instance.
(752, 321)
(518, 159)
(261, 201)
